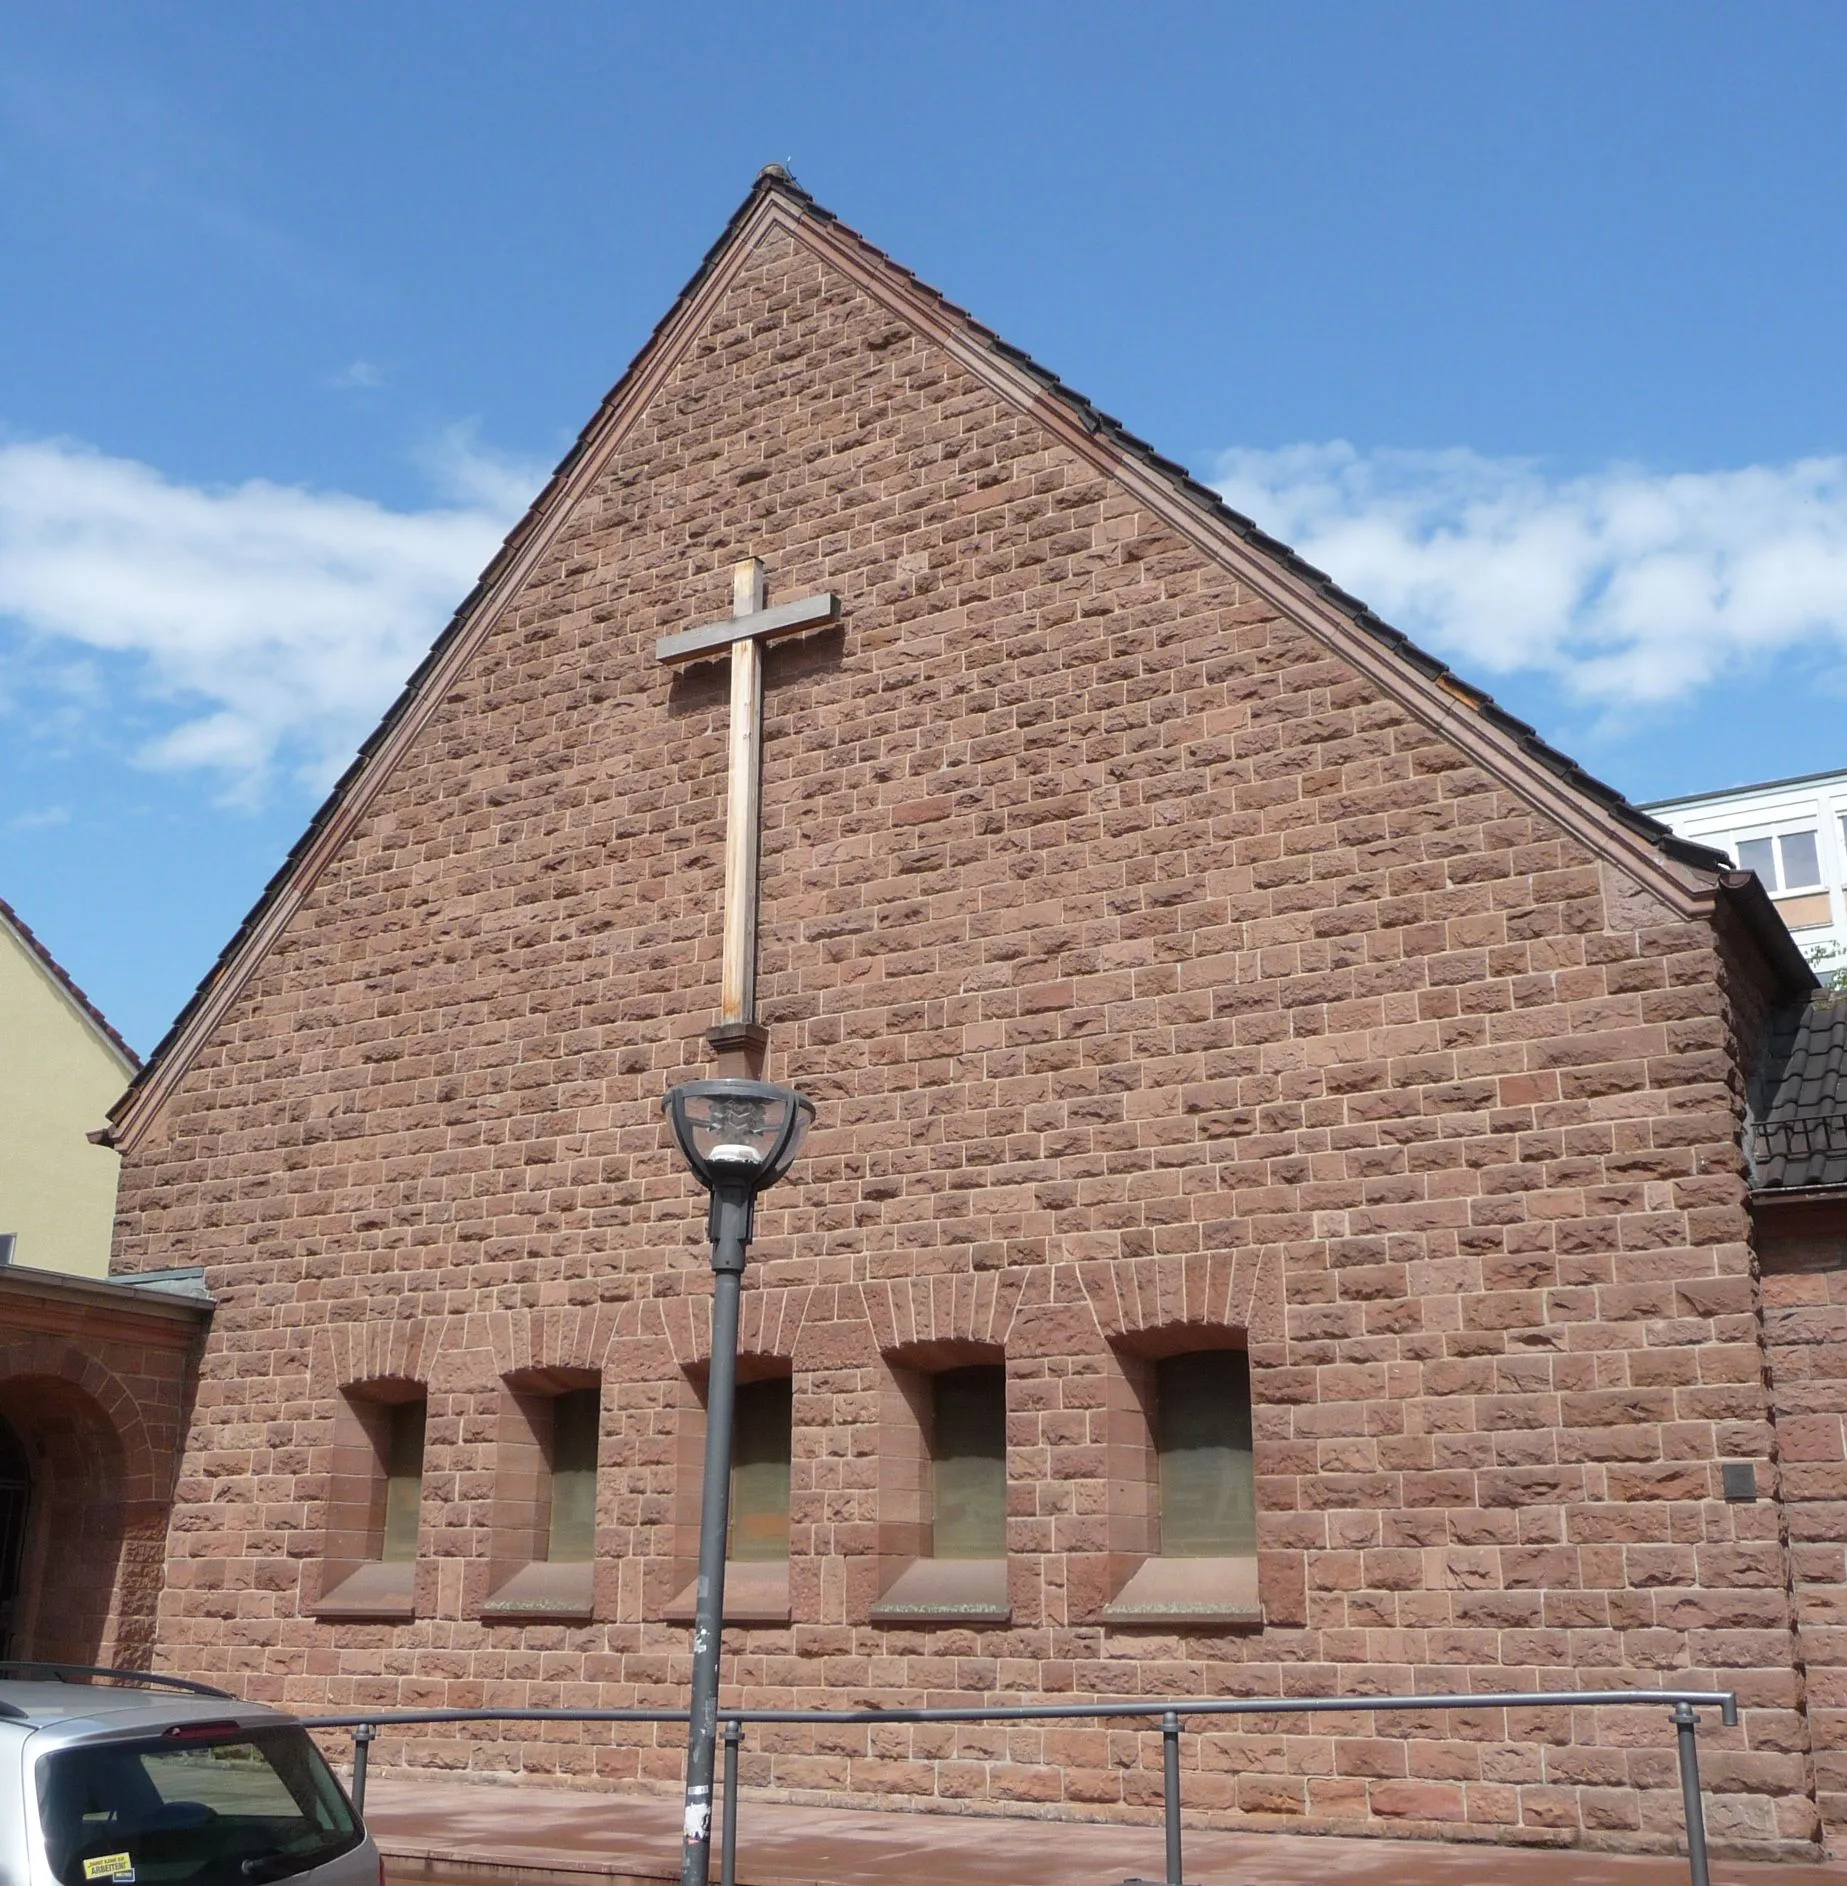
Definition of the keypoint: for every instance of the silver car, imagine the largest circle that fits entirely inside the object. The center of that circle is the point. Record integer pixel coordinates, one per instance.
(130, 1786)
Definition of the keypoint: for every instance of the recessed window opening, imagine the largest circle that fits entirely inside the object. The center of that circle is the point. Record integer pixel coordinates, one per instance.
(762, 1430)
(576, 1418)
(403, 1480)
(1790, 861)
(968, 1463)
(1208, 1498)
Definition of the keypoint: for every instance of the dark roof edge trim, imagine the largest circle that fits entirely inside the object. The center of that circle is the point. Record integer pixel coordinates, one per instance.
(1776, 1196)
(1768, 930)
(1099, 424)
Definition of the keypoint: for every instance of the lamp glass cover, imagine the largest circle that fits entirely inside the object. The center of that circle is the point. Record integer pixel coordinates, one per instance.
(735, 1130)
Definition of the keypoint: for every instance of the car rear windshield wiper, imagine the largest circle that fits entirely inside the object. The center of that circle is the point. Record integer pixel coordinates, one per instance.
(267, 1866)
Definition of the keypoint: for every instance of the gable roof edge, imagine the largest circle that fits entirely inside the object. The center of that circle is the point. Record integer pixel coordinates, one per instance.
(1685, 875)
(422, 693)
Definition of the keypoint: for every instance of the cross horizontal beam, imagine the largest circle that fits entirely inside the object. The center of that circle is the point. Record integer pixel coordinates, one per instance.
(808, 612)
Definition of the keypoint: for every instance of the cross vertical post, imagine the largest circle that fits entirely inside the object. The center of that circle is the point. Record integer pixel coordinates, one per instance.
(739, 1038)
(743, 805)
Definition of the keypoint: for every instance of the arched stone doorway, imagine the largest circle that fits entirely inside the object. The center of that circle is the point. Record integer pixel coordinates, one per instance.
(95, 1388)
(70, 1596)
(15, 1516)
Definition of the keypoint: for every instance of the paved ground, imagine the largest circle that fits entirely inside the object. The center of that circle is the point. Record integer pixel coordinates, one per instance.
(458, 1833)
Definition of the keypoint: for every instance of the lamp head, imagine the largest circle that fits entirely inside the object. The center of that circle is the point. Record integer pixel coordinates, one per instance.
(737, 1133)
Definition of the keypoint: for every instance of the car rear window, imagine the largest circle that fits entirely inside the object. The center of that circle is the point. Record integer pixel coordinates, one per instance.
(198, 1806)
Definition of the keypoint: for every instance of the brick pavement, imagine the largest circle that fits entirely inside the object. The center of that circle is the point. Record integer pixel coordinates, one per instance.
(456, 1833)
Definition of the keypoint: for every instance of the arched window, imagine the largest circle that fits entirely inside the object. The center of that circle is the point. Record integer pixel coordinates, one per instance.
(542, 1556)
(374, 1502)
(762, 1429)
(1186, 1518)
(968, 1463)
(1208, 1493)
(943, 1487)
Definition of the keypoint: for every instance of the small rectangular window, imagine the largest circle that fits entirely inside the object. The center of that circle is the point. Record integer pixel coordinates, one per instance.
(968, 1463)
(576, 1416)
(762, 1430)
(1208, 1499)
(403, 1480)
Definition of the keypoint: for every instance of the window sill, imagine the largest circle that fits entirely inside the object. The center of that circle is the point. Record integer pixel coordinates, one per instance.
(544, 1593)
(947, 1591)
(1218, 1592)
(756, 1592)
(379, 1590)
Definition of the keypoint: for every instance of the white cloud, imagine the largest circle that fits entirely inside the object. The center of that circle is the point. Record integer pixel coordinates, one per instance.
(463, 470)
(1628, 587)
(42, 819)
(261, 628)
(267, 627)
(357, 376)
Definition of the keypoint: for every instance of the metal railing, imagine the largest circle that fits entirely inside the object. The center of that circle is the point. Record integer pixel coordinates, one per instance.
(1684, 1704)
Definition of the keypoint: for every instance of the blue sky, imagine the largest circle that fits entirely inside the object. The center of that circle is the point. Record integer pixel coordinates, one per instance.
(1524, 320)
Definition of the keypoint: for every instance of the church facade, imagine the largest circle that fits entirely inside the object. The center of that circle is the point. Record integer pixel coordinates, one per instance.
(1280, 1216)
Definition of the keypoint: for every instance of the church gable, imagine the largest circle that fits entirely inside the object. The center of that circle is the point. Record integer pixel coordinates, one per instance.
(1060, 807)
(800, 375)
(1083, 863)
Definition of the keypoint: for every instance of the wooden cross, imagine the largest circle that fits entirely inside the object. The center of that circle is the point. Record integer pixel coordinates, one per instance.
(748, 627)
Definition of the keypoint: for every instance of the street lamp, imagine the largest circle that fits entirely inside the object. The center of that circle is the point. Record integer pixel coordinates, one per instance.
(739, 1137)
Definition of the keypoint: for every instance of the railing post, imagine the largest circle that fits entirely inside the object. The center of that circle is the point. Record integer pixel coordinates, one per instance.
(1686, 1725)
(363, 1738)
(1170, 1791)
(728, 1865)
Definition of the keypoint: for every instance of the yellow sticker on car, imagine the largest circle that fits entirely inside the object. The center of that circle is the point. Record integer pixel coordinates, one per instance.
(109, 1866)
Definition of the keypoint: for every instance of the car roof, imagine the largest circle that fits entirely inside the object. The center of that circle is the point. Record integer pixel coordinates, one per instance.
(76, 1710)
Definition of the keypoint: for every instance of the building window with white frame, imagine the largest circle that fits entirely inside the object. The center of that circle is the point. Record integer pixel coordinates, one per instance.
(1787, 861)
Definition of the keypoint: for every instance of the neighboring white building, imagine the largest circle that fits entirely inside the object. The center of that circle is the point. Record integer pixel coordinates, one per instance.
(1793, 834)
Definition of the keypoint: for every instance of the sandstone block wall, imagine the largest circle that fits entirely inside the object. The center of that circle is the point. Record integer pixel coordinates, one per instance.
(1151, 969)
(1805, 1321)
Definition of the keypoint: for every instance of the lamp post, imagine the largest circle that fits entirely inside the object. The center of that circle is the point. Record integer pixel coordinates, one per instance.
(739, 1137)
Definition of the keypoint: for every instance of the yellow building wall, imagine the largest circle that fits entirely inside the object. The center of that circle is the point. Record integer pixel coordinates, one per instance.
(59, 1076)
